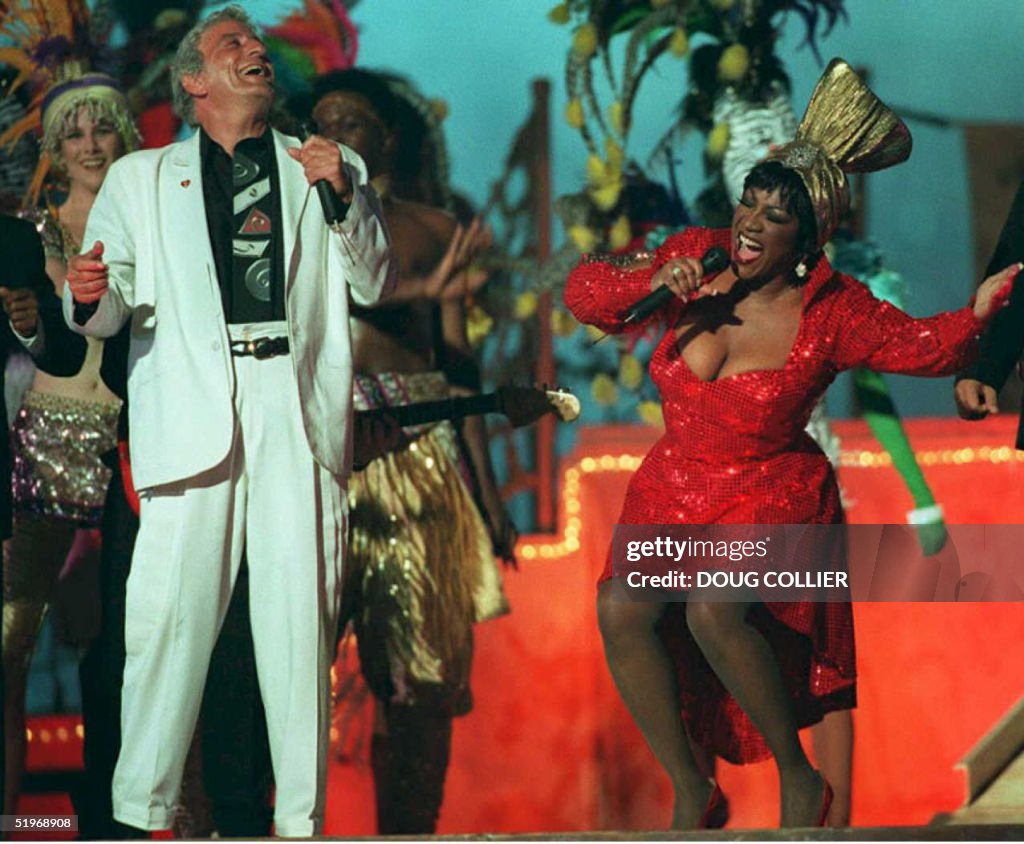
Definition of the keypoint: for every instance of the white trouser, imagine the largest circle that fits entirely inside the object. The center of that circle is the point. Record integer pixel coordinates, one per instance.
(290, 515)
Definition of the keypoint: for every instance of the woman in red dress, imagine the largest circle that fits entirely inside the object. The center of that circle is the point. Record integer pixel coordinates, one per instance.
(746, 355)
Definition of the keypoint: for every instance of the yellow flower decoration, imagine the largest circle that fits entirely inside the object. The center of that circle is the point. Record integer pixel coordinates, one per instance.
(733, 63)
(616, 156)
(605, 177)
(631, 372)
(603, 389)
(440, 109)
(615, 117)
(650, 412)
(596, 170)
(607, 196)
(620, 233)
(584, 41)
(594, 333)
(574, 113)
(679, 43)
(583, 238)
(718, 141)
(526, 305)
(478, 325)
(562, 323)
(559, 14)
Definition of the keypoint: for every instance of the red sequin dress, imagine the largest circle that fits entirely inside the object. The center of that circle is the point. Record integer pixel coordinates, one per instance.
(735, 452)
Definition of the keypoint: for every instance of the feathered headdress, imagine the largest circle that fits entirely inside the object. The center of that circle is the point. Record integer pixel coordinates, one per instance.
(51, 49)
(324, 33)
(846, 129)
(309, 43)
(17, 162)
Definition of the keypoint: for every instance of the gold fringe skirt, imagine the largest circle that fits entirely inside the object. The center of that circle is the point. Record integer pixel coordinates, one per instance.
(420, 563)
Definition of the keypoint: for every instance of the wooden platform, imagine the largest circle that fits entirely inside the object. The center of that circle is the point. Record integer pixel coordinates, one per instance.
(995, 777)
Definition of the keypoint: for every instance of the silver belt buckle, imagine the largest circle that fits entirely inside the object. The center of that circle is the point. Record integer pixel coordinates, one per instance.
(261, 348)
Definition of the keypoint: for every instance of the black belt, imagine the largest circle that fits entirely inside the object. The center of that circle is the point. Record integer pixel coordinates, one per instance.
(261, 348)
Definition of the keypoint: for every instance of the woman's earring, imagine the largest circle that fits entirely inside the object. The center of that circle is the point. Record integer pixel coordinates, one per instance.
(801, 269)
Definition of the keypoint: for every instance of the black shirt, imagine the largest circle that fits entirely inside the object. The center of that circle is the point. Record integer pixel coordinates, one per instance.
(243, 215)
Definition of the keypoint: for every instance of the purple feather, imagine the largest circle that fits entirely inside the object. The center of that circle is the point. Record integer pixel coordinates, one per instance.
(52, 51)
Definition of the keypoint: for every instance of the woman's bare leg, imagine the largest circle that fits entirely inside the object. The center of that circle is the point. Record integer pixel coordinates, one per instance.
(744, 662)
(646, 680)
(833, 751)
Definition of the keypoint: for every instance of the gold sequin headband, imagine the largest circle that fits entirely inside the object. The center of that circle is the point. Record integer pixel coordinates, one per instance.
(99, 93)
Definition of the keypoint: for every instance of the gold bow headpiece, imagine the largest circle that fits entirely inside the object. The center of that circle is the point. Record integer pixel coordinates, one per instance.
(846, 129)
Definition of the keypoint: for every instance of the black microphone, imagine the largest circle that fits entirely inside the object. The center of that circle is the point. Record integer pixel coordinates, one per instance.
(334, 209)
(714, 261)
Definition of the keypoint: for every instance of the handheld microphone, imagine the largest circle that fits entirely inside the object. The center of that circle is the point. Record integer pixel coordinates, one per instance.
(334, 209)
(714, 261)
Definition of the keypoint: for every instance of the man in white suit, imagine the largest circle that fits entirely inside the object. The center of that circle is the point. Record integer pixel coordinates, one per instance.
(240, 395)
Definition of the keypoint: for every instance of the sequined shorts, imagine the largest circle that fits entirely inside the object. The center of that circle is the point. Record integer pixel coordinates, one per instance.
(56, 443)
(420, 564)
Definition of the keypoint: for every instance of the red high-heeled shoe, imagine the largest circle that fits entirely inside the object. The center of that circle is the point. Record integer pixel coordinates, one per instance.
(826, 804)
(716, 801)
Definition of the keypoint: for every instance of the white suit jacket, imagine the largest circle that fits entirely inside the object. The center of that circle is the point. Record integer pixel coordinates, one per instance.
(151, 219)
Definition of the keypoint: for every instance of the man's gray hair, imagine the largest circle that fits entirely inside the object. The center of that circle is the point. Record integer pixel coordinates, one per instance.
(188, 61)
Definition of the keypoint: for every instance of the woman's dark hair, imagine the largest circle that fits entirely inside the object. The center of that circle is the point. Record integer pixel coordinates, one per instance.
(365, 83)
(419, 162)
(769, 175)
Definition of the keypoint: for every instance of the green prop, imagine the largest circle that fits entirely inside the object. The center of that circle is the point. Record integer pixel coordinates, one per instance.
(880, 413)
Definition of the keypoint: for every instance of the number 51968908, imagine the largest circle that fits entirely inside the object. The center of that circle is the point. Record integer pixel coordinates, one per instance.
(14, 823)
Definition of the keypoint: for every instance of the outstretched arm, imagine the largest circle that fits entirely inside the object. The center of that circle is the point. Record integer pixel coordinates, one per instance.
(880, 336)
